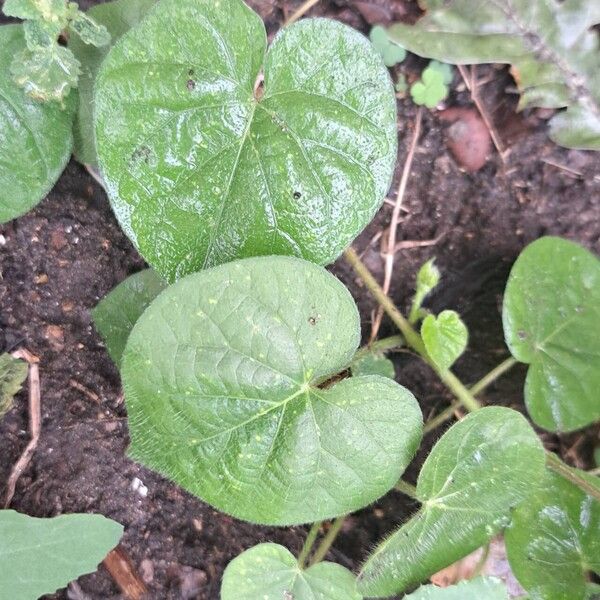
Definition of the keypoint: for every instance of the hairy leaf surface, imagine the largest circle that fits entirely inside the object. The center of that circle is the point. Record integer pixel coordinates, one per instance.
(222, 375)
(271, 571)
(204, 165)
(13, 373)
(373, 363)
(553, 50)
(38, 556)
(118, 311)
(554, 540)
(482, 588)
(480, 469)
(35, 138)
(551, 313)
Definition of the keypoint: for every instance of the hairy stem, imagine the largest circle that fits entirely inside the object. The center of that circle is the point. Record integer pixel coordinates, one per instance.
(408, 489)
(558, 466)
(309, 543)
(328, 540)
(494, 374)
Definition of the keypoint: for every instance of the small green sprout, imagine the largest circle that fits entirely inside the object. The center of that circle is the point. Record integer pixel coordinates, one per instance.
(432, 88)
(390, 51)
(401, 85)
(428, 278)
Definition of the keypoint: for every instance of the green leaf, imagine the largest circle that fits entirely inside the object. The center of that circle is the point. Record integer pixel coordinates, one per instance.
(553, 50)
(445, 338)
(480, 469)
(391, 52)
(200, 169)
(554, 540)
(117, 313)
(33, 9)
(443, 68)
(40, 34)
(270, 571)
(89, 31)
(482, 588)
(38, 556)
(551, 313)
(36, 138)
(13, 373)
(222, 378)
(373, 363)
(430, 90)
(118, 18)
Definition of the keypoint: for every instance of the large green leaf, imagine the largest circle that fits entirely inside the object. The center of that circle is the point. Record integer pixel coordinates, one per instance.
(118, 17)
(551, 314)
(117, 313)
(38, 556)
(480, 469)
(13, 373)
(270, 571)
(554, 540)
(550, 44)
(222, 379)
(482, 588)
(35, 139)
(202, 168)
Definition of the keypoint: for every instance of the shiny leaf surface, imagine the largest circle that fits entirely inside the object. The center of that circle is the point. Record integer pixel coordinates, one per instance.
(270, 571)
(480, 469)
(203, 165)
(221, 377)
(551, 314)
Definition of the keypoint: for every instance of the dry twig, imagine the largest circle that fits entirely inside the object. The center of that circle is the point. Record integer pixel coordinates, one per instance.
(121, 569)
(302, 10)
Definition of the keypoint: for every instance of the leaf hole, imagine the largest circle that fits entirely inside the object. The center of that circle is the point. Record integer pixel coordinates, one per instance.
(522, 334)
(191, 85)
(297, 195)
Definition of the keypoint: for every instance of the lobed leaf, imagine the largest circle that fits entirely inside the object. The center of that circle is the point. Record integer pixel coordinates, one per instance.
(13, 373)
(223, 377)
(481, 588)
(38, 556)
(550, 314)
(554, 540)
(204, 165)
(479, 470)
(117, 313)
(36, 138)
(270, 571)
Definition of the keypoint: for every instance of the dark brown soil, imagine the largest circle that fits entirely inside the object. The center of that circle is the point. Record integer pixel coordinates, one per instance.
(60, 259)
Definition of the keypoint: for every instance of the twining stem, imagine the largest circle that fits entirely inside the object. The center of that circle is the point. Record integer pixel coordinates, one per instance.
(382, 345)
(309, 543)
(413, 339)
(494, 374)
(558, 466)
(407, 488)
(328, 540)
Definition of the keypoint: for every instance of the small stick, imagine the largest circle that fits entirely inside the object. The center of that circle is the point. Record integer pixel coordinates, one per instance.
(302, 10)
(390, 252)
(408, 244)
(121, 569)
(79, 386)
(35, 423)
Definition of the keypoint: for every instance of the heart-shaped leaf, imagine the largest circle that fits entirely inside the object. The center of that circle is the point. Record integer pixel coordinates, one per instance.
(204, 165)
(551, 314)
(118, 17)
(554, 540)
(482, 588)
(36, 138)
(445, 338)
(38, 556)
(271, 571)
(117, 313)
(223, 379)
(479, 470)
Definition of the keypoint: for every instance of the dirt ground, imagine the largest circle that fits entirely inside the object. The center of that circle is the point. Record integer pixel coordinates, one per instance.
(58, 261)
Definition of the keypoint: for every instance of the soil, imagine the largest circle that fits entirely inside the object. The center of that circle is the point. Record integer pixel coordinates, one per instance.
(59, 260)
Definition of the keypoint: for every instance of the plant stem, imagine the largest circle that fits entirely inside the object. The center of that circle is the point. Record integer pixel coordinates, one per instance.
(302, 10)
(382, 345)
(309, 543)
(558, 466)
(328, 540)
(494, 374)
(407, 488)
(442, 417)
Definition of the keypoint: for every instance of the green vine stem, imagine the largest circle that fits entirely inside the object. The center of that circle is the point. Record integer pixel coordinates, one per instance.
(309, 543)
(328, 540)
(441, 418)
(408, 489)
(381, 345)
(558, 466)
(494, 374)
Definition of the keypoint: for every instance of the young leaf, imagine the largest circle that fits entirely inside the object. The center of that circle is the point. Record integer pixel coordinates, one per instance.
(428, 278)
(445, 338)
(482, 588)
(373, 363)
(13, 373)
(38, 556)
(36, 138)
(551, 313)
(89, 31)
(480, 469)
(554, 539)
(391, 52)
(271, 571)
(430, 90)
(444, 68)
(222, 379)
(118, 18)
(550, 44)
(201, 168)
(117, 313)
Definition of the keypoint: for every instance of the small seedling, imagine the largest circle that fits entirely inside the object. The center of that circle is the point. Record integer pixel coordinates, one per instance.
(432, 88)
(391, 52)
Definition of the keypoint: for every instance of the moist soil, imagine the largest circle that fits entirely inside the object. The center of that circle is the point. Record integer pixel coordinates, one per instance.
(59, 260)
